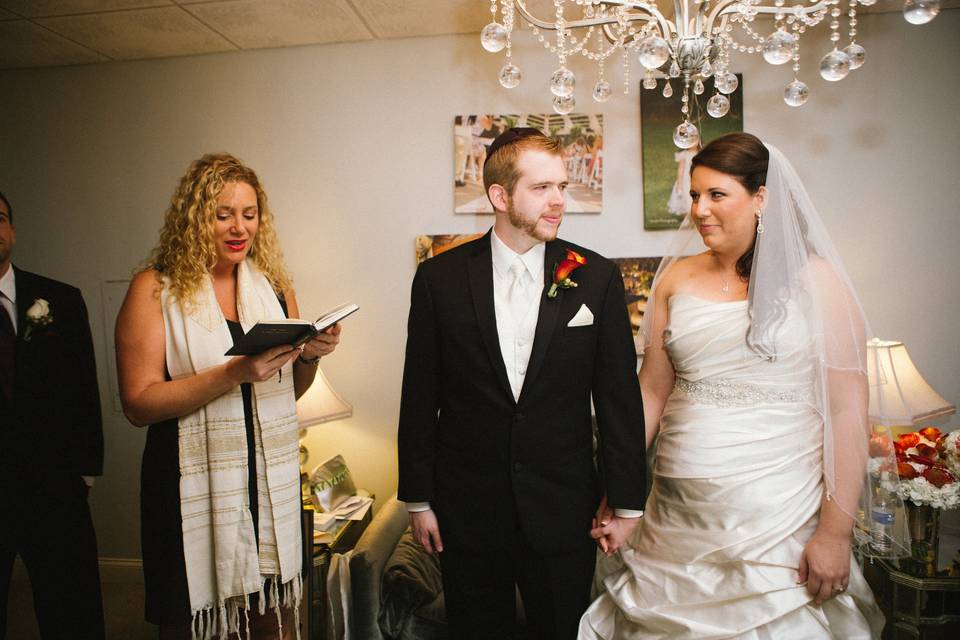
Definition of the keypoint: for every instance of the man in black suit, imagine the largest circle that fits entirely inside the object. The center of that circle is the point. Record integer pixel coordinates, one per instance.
(495, 439)
(51, 446)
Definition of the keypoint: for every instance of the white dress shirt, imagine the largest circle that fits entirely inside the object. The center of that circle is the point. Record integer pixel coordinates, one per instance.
(516, 334)
(8, 295)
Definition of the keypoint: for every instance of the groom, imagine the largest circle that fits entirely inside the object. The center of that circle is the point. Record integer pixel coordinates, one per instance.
(495, 440)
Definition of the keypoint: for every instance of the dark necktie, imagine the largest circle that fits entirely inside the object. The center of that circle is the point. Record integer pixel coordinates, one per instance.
(8, 352)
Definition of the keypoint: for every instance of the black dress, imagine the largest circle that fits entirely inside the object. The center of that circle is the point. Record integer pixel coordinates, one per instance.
(161, 534)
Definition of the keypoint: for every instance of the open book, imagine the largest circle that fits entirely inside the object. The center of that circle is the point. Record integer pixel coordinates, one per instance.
(271, 333)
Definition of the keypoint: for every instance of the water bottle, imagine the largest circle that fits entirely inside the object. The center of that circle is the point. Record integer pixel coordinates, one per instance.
(881, 525)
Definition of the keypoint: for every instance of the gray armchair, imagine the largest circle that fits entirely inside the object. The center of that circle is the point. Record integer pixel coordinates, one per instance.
(397, 593)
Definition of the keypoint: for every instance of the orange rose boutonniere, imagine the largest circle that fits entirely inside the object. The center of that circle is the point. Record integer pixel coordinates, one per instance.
(562, 272)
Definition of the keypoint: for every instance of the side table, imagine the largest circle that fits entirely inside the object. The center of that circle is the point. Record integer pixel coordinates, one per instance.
(315, 614)
(917, 608)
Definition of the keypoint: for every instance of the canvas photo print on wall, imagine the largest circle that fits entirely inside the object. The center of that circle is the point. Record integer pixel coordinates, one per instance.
(429, 246)
(582, 137)
(637, 280)
(666, 168)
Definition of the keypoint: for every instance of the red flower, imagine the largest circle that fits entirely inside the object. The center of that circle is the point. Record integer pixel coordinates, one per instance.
(926, 451)
(906, 441)
(561, 274)
(937, 476)
(930, 433)
(906, 470)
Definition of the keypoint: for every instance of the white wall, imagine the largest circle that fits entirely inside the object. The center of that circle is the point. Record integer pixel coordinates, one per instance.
(353, 142)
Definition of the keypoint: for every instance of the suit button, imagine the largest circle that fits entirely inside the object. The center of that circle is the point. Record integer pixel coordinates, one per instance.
(518, 417)
(517, 466)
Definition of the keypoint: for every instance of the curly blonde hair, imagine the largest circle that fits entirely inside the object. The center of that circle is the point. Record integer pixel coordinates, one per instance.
(186, 253)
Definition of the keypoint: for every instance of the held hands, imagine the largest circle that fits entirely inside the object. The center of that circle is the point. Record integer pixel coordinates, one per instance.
(426, 531)
(610, 531)
(825, 566)
(322, 344)
(262, 366)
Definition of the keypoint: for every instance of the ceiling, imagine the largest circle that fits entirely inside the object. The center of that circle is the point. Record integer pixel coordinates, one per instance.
(43, 33)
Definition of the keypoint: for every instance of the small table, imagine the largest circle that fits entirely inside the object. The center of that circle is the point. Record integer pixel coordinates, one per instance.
(315, 602)
(916, 607)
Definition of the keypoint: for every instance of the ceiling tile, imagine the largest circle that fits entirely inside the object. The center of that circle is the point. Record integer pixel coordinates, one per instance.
(6, 15)
(24, 44)
(145, 33)
(45, 8)
(252, 24)
(392, 19)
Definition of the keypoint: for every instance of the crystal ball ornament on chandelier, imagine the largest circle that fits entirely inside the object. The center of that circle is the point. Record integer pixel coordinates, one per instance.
(494, 37)
(510, 75)
(563, 82)
(779, 47)
(686, 135)
(602, 91)
(718, 105)
(921, 11)
(796, 93)
(564, 104)
(835, 66)
(691, 44)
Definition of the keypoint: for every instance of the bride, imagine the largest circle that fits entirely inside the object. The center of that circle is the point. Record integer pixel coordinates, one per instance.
(754, 375)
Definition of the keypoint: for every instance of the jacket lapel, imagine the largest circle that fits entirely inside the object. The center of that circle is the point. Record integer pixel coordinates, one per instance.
(480, 269)
(25, 297)
(549, 312)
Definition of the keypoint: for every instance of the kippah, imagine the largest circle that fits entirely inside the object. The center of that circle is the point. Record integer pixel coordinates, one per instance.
(509, 137)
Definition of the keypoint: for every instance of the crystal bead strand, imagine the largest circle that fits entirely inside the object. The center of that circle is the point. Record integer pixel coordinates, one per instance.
(854, 51)
(795, 94)
(835, 65)
(510, 75)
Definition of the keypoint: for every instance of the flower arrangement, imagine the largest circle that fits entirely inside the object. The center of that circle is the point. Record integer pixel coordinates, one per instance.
(928, 464)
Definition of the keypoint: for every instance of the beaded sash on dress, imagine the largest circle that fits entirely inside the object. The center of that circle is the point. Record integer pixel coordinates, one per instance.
(725, 393)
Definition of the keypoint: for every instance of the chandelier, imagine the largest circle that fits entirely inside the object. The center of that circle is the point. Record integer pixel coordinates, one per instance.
(692, 46)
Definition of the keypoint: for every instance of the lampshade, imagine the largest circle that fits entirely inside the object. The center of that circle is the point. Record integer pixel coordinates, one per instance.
(898, 393)
(321, 403)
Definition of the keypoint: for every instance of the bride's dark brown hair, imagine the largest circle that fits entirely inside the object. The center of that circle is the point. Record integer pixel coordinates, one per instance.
(744, 157)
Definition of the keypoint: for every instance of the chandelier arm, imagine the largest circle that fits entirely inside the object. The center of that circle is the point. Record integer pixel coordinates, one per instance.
(652, 14)
(730, 7)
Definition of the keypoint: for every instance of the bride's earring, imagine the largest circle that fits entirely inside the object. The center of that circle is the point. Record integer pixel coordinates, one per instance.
(759, 221)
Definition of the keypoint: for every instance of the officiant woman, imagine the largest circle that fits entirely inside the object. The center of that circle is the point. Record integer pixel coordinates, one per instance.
(220, 489)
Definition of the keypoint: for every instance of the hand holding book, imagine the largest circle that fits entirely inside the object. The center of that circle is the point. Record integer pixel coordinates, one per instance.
(290, 331)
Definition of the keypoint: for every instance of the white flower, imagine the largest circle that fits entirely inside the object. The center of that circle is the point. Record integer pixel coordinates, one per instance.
(39, 316)
(39, 312)
(919, 491)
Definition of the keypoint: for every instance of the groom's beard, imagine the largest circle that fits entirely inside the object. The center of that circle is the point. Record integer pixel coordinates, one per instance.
(529, 227)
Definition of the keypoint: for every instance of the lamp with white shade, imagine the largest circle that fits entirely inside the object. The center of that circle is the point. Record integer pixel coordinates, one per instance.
(899, 396)
(321, 403)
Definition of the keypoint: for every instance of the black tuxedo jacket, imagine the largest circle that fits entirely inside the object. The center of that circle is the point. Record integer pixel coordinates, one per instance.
(483, 460)
(54, 425)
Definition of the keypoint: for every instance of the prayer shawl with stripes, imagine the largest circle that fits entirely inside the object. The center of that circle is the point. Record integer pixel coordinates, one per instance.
(220, 549)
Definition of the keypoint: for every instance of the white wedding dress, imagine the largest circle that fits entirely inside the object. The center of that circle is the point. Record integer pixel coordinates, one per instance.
(736, 495)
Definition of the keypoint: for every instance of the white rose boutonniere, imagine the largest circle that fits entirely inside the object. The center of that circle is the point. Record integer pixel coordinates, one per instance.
(38, 315)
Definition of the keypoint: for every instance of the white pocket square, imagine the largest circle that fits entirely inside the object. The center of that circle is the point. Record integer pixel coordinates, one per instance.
(583, 318)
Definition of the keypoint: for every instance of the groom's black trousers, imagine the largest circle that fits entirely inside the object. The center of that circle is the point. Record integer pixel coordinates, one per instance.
(480, 590)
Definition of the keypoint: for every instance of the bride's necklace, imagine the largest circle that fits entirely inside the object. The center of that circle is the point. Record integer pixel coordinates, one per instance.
(726, 285)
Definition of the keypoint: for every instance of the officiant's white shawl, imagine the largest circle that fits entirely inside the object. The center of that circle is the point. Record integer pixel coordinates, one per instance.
(220, 549)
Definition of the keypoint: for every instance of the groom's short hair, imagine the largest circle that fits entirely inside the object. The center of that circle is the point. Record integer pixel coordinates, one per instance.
(500, 166)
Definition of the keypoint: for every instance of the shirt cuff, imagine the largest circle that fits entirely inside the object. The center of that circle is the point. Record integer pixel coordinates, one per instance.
(628, 513)
(417, 507)
(88, 480)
